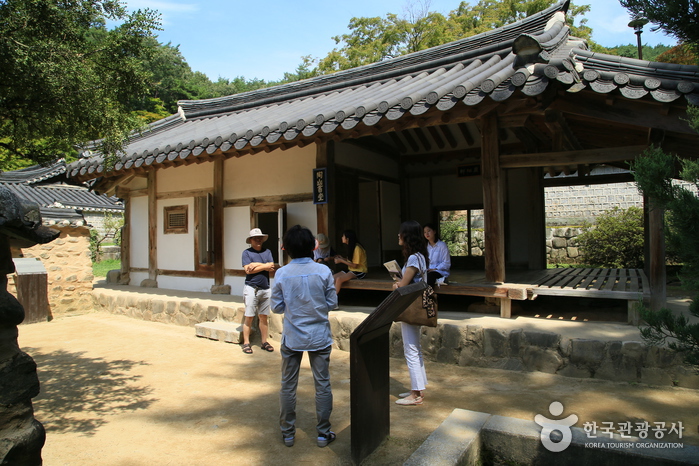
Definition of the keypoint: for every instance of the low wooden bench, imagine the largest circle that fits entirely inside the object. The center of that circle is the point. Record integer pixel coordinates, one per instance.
(630, 285)
(505, 292)
(627, 284)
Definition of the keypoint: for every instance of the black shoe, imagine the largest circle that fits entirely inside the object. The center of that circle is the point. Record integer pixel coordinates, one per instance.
(324, 440)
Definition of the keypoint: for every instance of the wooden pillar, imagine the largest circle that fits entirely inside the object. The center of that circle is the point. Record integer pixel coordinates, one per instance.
(536, 244)
(218, 222)
(125, 277)
(325, 213)
(152, 226)
(492, 200)
(656, 259)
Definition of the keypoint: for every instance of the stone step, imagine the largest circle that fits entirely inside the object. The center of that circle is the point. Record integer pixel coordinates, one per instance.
(230, 332)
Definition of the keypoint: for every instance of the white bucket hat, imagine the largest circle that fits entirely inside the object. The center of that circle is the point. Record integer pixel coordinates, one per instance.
(254, 233)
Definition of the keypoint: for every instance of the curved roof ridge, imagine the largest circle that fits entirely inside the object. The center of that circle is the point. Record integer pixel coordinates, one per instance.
(441, 55)
(635, 62)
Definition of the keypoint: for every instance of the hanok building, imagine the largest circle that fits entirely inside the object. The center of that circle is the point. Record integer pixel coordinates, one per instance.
(473, 124)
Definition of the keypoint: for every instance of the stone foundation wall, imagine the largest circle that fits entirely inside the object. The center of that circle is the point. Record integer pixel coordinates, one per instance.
(451, 342)
(68, 267)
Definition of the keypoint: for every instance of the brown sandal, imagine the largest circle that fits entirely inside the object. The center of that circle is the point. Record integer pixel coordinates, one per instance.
(247, 349)
(267, 347)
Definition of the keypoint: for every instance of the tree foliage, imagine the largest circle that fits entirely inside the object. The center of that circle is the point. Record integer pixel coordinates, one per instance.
(678, 18)
(370, 40)
(616, 241)
(65, 78)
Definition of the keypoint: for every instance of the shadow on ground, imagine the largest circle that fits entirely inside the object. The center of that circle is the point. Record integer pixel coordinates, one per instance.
(79, 393)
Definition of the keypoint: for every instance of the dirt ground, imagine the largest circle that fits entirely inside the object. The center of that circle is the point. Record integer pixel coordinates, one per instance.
(120, 391)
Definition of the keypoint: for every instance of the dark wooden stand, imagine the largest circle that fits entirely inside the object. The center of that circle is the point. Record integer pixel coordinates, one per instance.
(369, 372)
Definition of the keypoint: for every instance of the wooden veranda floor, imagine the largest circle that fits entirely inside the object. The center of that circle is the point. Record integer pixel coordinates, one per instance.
(626, 284)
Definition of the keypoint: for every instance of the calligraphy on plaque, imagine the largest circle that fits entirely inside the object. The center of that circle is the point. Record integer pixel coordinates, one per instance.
(320, 185)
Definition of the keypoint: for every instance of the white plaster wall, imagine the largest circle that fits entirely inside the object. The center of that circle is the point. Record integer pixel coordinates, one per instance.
(236, 224)
(137, 277)
(452, 190)
(185, 283)
(352, 156)
(139, 182)
(236, 284)
(302, 213)
(176, 250)
(419, 200)
(184, 178)
(139, 232)
(270, 174)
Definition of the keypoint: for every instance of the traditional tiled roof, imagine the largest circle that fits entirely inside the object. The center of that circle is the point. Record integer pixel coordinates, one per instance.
(524, 56)
(59, 202)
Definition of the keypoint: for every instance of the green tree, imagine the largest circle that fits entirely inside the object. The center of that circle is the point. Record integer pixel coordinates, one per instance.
(374, 39)
(678, 18)
(616, 240)
(654, 172)
(65, 78)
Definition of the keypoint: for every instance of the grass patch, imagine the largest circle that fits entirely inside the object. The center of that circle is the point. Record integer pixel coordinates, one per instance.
(100, 269)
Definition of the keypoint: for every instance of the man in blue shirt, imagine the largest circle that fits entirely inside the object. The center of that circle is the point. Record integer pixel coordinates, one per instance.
(304, 291)
(257, 263)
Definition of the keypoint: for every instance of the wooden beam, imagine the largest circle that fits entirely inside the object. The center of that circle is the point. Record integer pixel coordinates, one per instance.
(218, 232)
(492, 201)
(152, 225)
(466, 134)
(657, 275)
(411, 140)
(449, 136)
(182, 194)
(247, 201)
(574, 157)
(375, 145)
(396, 140)
(124, 277)
(624, 111)
(436, 136)
(423, 139)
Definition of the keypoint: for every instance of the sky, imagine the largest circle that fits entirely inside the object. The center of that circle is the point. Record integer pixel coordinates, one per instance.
(232, 38)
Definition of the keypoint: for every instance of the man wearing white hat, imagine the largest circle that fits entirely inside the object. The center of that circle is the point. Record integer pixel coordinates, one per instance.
(257, 263)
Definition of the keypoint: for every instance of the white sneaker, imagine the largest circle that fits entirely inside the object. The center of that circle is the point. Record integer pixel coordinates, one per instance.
(409, 401)
(404, 394)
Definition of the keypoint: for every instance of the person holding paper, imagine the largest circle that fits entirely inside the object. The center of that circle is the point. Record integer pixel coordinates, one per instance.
(412, 240)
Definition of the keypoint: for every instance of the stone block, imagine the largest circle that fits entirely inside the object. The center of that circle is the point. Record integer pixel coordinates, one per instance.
(186, 307)
(148, 283)
(113, 276)
(451, 336)
(541, 339)
(587, 352)
(470, 355)
(228, 314)
(447, 355)
(559, 243)
(655, 376)
(515, 343)
(221, 289)
(211, 313)
(571, 370)
(540, 359)
(158, 306)
(687, 377)
(171, 308)
(635, 350)
(495, 343)
(616, 371)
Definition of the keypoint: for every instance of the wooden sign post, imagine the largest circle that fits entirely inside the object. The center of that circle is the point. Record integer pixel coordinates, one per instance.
(369, 372)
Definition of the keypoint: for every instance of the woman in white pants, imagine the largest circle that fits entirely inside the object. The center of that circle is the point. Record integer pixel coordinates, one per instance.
(412, 240)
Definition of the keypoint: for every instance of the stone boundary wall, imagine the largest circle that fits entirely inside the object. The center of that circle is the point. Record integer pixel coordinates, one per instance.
(68, 268)
(452, 342)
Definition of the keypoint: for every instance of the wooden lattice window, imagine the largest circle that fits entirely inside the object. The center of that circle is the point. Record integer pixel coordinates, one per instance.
(176, 219)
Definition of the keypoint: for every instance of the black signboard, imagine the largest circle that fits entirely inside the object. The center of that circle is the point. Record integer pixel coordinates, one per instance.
(469, 170)
(320, 185)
